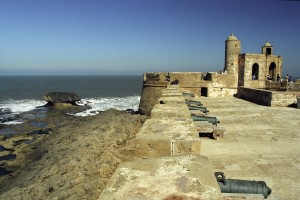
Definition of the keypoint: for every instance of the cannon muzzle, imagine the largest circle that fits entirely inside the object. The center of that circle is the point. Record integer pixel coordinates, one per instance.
(242, 186)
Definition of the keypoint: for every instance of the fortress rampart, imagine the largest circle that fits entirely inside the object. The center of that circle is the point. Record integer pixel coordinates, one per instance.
(253, 77)
(168, 148)
(198, 83)
(168, 162)
(263, 92)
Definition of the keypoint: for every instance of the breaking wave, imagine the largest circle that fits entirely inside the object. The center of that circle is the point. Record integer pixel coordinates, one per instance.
(9, 109)
(100, 104)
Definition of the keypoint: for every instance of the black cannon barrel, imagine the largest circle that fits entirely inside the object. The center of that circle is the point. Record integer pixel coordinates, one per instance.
(210, 119)
(242, 186)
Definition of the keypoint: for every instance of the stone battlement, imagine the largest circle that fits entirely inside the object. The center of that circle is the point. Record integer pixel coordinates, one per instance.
(169, 164)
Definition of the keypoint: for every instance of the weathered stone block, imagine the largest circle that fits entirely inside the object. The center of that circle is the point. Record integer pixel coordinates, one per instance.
(218, 133)
(176, 177)
(172, 100)
(160, 137)
(170, 111)
(171, 127)
(150, 146)
(153, 146)
(175, 93)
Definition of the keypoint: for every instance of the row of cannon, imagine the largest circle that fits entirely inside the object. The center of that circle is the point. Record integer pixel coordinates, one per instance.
(198, 106)
(226, 185)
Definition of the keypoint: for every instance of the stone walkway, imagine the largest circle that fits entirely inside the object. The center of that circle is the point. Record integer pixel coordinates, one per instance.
(260, 143)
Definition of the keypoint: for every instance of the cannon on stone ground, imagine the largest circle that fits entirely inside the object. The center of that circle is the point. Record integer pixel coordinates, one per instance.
(242, 186)
(186, 94)
(195, 103)
(210, 119)
(203, 109)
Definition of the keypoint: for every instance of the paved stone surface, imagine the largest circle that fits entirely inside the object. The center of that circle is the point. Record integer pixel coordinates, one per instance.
(260, 143)
(165, 178)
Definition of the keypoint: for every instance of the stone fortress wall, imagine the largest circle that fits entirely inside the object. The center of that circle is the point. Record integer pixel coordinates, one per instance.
(169, 164)
(249, 76)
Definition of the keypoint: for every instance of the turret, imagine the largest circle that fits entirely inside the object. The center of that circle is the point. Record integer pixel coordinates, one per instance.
(267, 49)
(232, 50)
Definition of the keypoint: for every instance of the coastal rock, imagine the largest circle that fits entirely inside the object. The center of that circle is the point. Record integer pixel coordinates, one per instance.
(61, 98)
(74, 161)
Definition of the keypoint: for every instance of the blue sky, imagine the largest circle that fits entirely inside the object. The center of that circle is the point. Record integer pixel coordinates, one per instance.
(73, 37)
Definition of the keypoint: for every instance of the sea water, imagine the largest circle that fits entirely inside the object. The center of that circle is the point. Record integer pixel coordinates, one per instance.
(19, 94)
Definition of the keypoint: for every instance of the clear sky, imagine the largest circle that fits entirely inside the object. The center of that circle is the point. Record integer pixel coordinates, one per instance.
(72, 37)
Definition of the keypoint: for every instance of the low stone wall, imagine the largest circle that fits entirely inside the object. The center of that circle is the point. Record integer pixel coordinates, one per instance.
(262, 97)
(284, 98)
(221, 92)
(274, 85)
(267, 97)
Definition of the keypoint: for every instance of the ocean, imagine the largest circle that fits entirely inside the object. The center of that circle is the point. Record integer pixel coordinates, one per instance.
(19, 94)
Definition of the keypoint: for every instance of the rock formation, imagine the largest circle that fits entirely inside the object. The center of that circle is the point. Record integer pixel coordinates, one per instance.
(61, 98)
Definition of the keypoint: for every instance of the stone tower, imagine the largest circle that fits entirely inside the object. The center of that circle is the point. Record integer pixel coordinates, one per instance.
(232, 51)
(267, 49)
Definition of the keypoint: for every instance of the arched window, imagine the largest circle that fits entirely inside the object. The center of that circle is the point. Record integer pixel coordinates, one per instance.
(255, 71)
(272, 71)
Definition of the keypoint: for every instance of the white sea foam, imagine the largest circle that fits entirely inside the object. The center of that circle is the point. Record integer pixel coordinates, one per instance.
(24, 105)
(100, 104)
(14, 122)
(13, 107)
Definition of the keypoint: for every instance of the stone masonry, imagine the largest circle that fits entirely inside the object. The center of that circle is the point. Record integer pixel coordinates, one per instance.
(169, 164)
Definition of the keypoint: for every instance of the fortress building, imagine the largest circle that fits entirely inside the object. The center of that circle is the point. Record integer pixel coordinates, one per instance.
(251, 70)
(245, 70)
(245, 75)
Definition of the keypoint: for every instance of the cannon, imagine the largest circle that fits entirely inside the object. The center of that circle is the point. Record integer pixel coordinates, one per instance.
(196, 103)
(203, 109)
(210, 119)
(242, 186)
(186, 94)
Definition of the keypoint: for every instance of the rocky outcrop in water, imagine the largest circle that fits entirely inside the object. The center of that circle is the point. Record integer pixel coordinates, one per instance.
(61, 98)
